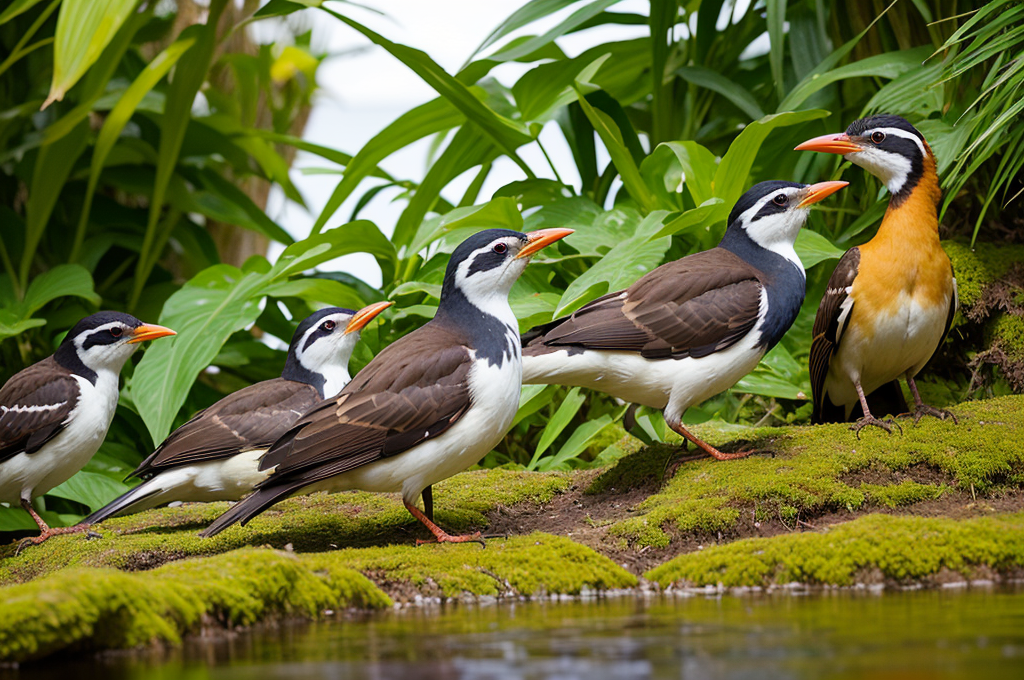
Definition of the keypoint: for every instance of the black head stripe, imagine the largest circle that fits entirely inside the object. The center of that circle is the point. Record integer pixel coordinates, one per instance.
(99, 319)
(756, 193)
(859, 127)
(485, 261)
(312, 320)
(468, 247)
(103, 337)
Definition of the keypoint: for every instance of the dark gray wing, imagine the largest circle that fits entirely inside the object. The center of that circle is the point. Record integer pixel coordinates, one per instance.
(34, 407)
(829, 324)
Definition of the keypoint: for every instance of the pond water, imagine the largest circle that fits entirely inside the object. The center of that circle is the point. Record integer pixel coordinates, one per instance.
(922, 634)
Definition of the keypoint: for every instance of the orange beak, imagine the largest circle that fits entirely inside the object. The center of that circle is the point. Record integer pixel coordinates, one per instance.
(820, 191)
(149, 332)
(536, 240)
(841, 144)
(365, 315)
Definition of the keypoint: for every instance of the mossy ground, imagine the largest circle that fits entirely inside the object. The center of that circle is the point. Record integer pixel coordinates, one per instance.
(821, 469)
(900, 550)
(152, 579)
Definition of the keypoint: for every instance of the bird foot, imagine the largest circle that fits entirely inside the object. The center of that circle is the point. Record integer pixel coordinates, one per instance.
(886, 425)
(926, 410)
(701, 454)
(442, 537)
(56, 531)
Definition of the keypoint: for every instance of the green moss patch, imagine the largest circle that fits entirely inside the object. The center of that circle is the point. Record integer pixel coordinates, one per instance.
(312, 523)
(108, 609)
(815, 470)
(978, 268)
(901, 549)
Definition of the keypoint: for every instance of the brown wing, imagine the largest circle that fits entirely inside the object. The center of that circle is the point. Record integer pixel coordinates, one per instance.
(34, 407)
(829, 324)
(691, 307)
(412, 391)
(251, 418)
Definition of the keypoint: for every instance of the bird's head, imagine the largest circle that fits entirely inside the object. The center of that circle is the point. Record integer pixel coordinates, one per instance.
(323, 343)
(887, 146)
(485, 265)
(105, 340)
(771, 214)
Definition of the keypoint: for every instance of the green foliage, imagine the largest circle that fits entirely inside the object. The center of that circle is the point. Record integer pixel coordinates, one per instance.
(116, 192)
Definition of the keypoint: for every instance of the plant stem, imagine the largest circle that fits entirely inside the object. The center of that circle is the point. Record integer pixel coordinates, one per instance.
(550, 164)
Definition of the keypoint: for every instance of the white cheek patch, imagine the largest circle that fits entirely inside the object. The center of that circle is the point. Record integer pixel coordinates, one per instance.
(892, 168)
(776, 232)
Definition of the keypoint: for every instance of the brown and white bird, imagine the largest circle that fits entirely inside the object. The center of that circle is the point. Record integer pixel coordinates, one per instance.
(215, 456)
(691, 328)
(55, 414)
(890, 302)
(428, 406)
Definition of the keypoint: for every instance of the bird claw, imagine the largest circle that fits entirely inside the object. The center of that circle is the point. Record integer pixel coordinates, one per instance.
(886, 425)
(926, 410)
(446, 538)
(56, 531)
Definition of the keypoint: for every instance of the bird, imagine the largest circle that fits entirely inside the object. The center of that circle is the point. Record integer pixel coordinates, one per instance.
(890, 303)
(215, 456)
(691, 328)
(428, 406)
(55, 414)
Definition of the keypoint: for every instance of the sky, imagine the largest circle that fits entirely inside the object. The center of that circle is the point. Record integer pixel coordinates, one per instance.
(363, 89)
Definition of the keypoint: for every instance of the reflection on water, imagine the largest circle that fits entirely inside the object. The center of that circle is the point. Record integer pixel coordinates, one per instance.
(931, 634)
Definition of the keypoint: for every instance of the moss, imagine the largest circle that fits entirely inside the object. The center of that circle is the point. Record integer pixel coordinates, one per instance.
(1007, 332)
(644, 468)
(106, 608)
(903, 549)
(814, 468)
(525, 565)
(978, 268)
(309, 523)
(906, 492)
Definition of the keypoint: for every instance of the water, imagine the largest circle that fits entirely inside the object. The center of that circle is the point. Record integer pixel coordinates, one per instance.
(923, 634)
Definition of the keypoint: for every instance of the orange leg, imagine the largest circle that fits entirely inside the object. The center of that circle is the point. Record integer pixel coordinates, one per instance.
(438, 532)
(45, 531)
(704, 446)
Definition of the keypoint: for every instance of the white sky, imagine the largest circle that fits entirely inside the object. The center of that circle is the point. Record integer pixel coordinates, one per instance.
(362, 93)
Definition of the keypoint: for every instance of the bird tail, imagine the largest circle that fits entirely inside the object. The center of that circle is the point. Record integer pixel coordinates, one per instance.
(130, 501)
(252, 505)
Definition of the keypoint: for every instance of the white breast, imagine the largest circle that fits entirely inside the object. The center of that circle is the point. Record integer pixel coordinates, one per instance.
(494, 391)
(29, 475)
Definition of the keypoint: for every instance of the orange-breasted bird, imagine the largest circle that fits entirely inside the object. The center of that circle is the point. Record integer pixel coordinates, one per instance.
(890, 302)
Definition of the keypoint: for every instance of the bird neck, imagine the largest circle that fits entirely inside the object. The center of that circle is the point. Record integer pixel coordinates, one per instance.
(492, 332)
(67, 356)
(912, 219)
(328, 380)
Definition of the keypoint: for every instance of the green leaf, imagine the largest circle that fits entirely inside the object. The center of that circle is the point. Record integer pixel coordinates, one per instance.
(220, 301)
(705, 215)
(188, 78)
(90, 488)
(578, 441)
(15, 8)
(435, 116)
(61, 281)
(731, 176)
(776, 14)
(812, 248)
(888, 65)
(506, 134)
(52, 167)
(498, 213)
(543, 90)
(563, 416)
(84, 28)
(315, 290)
(625, 263)
(621, 157)
(716, 82)
(279, 8)
(531, 45)
(118, 118)
(525, 15)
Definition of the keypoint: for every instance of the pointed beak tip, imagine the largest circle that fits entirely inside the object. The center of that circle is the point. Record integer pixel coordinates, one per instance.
(150, 332)
(821, 190)
(537, 240)
(366, 315)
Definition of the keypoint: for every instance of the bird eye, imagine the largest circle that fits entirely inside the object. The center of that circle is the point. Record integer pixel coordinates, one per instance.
(328, 325)
(877, 137)
(500, 248)
(117, 331)
(780, 199)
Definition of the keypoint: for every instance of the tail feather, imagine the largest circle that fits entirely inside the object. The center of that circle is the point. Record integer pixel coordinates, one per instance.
(125, 501)
(246, 509)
